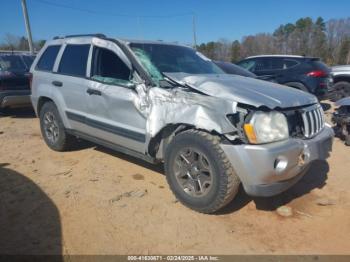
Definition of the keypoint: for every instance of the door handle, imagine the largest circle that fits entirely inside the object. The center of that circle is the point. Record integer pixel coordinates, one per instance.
(93, 92)
(57, 83)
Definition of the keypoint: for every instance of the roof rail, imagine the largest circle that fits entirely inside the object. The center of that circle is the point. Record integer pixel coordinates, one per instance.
(82, 35)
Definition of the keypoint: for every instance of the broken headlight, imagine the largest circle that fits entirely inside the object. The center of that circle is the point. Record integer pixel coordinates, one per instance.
(266, 127)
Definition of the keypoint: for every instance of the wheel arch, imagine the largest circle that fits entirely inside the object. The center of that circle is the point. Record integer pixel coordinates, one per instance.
(41, 101)
(158, 143)
(44, 99)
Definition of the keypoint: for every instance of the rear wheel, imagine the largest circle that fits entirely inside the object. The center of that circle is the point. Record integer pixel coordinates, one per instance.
(199, 173)
(52, 128)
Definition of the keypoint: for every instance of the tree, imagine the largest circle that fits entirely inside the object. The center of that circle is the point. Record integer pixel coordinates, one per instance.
(10, 42)
(235, 51)
(344, 51)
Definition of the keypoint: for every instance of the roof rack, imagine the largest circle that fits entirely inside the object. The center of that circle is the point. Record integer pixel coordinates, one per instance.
(82, 35)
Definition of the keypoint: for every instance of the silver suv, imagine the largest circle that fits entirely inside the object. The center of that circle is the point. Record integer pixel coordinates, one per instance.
(165, 102)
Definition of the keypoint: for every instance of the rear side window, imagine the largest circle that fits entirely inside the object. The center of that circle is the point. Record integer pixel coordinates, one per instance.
(47, 60)
(74, 60)
(288, 63)
(276, 63)
(262, 64)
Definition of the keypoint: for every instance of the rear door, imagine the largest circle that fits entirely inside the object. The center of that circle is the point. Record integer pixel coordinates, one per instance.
(269, 68)
(111, 99)
(69, 81)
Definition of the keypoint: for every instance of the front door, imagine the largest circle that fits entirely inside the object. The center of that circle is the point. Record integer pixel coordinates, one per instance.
(112, 115)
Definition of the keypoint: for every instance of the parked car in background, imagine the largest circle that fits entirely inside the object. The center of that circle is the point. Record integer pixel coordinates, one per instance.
(341, 118)
(15, 79)
(341, 78)
(308, 74)
(233, 69)
(164, 102)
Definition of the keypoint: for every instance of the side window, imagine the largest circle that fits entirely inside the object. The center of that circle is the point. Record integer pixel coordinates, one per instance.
(276, 63)
(108, 68)
(47, 59)
(262, 64)
(248, 64)
(288, 63)
(74, 60)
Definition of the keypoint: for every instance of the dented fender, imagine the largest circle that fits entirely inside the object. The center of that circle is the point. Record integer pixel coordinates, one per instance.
(162, 107)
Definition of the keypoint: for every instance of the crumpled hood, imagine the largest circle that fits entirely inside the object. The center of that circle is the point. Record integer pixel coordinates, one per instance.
(245, 90)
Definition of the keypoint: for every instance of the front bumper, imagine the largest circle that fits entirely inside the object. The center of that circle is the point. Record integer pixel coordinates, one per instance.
(269, 169)
(15, 98)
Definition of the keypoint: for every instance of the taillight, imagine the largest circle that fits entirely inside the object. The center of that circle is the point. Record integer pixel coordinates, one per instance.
(30, 78)
(317, 73)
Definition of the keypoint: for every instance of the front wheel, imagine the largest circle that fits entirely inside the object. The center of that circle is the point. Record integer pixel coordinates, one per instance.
(199, 173)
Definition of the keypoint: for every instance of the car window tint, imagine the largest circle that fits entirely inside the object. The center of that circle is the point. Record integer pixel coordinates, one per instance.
(262, 64)
(47, 60)
(233, 69)
(248, 64)
(12, 63)
(176, 58)
(107, 67)
(289, 63)
(74, 60)
(276, 63)
(28, 60)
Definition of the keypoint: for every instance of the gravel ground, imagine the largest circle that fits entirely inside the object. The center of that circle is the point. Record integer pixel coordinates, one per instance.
(95, 201)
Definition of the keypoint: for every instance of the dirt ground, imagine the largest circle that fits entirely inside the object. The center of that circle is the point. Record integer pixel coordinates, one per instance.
(95, 201)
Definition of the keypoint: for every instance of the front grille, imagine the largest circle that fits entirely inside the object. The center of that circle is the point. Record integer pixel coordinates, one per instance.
(313, 121)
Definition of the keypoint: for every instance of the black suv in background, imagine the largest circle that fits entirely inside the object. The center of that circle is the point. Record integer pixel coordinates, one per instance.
(233, 69)
(15, 79)
(305, 73)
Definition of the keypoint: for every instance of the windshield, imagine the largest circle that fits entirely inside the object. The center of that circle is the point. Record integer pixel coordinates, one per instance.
(12, 63)
(163, 58)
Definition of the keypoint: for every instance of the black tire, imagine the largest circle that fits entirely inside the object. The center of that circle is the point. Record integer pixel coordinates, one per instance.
(225, 183)
(62, 141)
(341, 89)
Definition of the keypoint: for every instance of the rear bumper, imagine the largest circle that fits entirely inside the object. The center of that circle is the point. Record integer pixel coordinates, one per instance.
(267, 170)
(15, 98)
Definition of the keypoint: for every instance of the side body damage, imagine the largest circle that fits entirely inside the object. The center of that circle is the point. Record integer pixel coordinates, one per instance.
(170, 110)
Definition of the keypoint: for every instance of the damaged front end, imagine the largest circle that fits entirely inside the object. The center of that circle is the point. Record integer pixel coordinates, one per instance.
(269, 133)
(168, 111)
